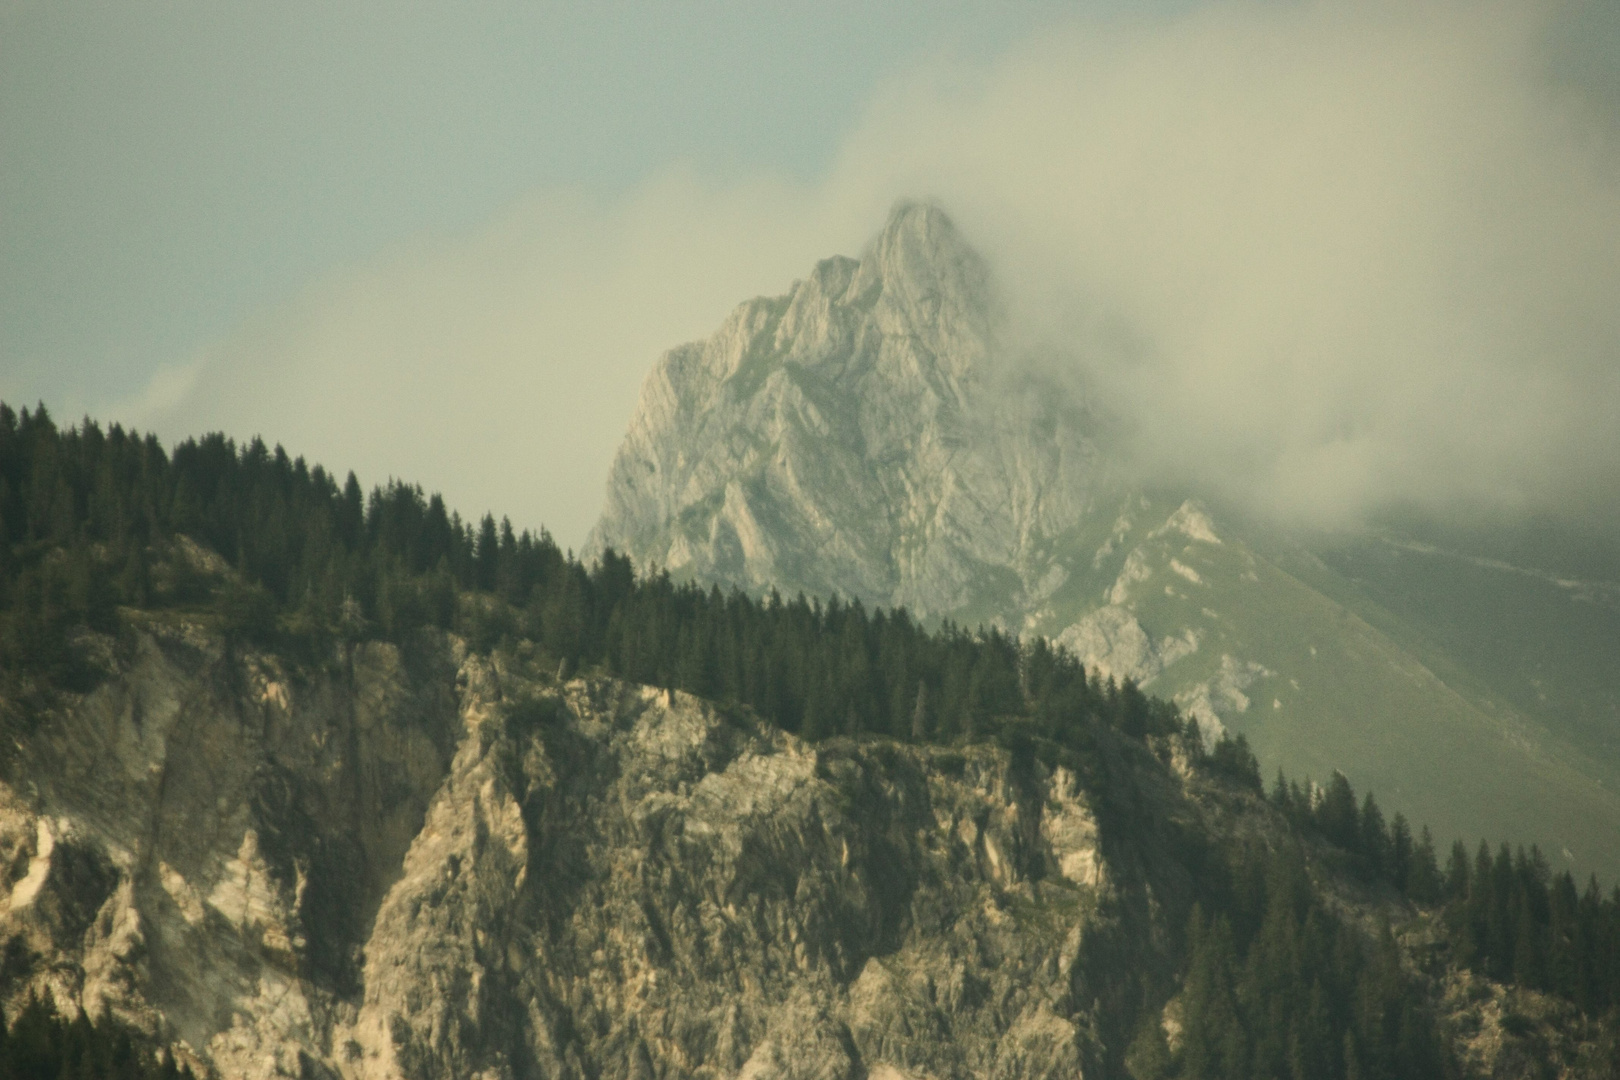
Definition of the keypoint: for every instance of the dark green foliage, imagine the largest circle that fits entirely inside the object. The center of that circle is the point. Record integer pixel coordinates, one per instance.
(1149, 1056)
(41, 1044)
(1506, 914)
(1278, 987)
(1422, 882)
(1232, 759)
(1336, 815)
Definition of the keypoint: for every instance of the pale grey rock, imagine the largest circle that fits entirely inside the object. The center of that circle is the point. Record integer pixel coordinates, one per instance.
(859, 435)
(625, 880)
(869, 434)
(1190, 520)
(1111, 642)
(1221, 698)
(1070, 830)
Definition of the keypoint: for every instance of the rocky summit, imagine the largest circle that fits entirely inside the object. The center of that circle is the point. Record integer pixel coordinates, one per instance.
(854, 437)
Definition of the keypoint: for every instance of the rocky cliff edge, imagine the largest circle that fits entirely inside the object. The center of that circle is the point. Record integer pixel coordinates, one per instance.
(422, 862)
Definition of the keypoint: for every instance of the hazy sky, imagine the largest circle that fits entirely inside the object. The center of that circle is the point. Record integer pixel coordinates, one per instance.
(1322, 255)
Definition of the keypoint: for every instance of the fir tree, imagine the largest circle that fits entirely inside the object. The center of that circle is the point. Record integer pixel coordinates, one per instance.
(919, 713)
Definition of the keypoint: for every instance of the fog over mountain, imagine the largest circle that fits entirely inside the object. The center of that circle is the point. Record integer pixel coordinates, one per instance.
(1326, 260)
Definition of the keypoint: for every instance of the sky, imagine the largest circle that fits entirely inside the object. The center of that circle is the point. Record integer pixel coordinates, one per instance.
(1323, 257)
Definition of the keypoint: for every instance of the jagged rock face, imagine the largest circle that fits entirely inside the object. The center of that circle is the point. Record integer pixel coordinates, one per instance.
(197, 846)
(616, 882)
(869, 435)
(852, 437)
(430, 864)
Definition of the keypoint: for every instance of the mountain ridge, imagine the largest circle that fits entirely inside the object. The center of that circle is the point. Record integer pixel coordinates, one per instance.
(360, 791)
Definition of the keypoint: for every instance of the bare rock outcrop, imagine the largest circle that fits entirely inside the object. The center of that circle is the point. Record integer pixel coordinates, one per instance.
(196, 847)
(853, 437)
(621, 882)
(425, 863)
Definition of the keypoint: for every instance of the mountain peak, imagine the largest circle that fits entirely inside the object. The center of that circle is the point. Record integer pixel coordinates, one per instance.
(916, 219)
(920, 245)
(845, 438)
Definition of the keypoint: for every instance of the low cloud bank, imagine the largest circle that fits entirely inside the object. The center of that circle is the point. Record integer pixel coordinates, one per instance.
(1326, 258)
(1323, 258)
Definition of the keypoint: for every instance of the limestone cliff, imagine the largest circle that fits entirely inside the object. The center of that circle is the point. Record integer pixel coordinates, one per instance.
(197, 846)
(427, 863)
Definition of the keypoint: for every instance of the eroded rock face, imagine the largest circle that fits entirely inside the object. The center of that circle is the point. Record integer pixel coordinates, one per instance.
(432, 864)
(615, 881)
(873, 434)
(197, 846)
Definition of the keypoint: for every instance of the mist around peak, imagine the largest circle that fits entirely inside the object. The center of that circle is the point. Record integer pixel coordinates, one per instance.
(1325, 261)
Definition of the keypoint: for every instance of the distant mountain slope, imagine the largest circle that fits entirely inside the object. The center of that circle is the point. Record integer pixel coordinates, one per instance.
(1540, 642)
(1268, 638)
(863, 435)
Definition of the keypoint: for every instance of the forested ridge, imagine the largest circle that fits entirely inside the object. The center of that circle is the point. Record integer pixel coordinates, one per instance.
(99, 526)
(89, 519)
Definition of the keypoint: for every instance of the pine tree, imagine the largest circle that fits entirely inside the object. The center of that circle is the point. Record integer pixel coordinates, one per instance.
(1373, 842)
(1280, 796)
(1336, 816)
(1457, 876)
(1400, 853)
(1214, 1042)
(919, 714)
(1423, 882)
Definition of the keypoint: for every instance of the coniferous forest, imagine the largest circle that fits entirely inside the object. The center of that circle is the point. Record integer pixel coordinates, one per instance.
(98, 525)
(42, 1045)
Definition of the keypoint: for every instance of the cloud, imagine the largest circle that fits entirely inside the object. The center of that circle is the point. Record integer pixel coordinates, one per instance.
(1324, 258)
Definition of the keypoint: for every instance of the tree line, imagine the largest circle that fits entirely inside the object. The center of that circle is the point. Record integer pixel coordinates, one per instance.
(1279, 988)
(87, 515)
(1276, 986)
(1505, 914)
